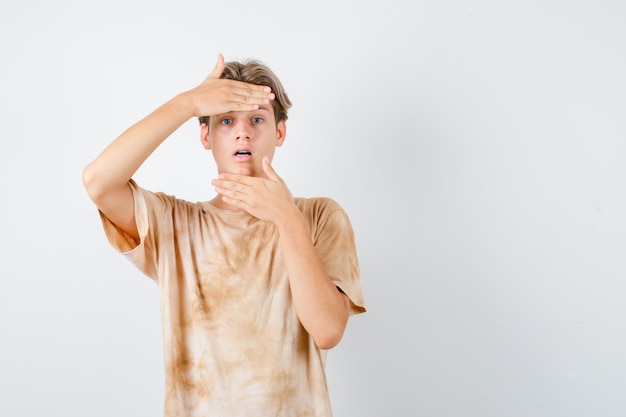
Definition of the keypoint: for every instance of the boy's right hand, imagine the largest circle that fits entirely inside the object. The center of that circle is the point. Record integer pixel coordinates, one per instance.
(216, 96)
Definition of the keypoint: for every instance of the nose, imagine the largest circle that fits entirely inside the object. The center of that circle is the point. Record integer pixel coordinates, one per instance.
(242, 130)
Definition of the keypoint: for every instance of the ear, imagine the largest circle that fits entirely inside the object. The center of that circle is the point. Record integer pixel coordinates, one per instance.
(204, 136)
(281, 132)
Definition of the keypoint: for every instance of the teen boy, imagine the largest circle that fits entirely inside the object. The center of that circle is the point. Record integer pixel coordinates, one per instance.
(255, 285)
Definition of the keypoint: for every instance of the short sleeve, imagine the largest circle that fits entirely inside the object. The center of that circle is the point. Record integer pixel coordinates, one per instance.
(148, 206)
(335, 243)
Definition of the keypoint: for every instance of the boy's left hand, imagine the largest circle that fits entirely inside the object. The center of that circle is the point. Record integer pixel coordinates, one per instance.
(267, 199)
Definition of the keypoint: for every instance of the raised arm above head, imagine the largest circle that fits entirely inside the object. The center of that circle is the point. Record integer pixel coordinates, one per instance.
(106, 178)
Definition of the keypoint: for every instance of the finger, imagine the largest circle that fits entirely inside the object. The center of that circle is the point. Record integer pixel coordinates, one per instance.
(269, 171)
(231, 189)
(219, 67)
(231, 200)
(244, 88)
(248, 98)
(229, 192)
(235, 202)
(230, 180)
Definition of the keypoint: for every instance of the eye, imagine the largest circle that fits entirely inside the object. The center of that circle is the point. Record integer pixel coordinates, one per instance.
(257, 120)
(226, 121)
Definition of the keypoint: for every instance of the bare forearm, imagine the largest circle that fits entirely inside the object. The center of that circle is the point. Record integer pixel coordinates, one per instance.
(115, 166)
(321, 308)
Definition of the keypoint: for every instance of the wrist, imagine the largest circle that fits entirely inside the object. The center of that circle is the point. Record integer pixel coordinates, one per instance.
(289, 220)
(184, 103)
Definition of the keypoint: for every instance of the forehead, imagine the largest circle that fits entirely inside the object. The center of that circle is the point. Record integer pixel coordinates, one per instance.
(264, 109)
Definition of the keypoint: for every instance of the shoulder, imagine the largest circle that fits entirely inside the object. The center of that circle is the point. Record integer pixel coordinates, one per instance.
(317, 205)
(323, 212)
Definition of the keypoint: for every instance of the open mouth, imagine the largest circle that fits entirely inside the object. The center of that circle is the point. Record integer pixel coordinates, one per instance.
(243, 155)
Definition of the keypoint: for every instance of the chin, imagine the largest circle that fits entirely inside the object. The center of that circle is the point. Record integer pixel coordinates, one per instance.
(247, 170)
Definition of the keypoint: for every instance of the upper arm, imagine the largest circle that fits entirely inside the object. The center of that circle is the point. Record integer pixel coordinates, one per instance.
(118, 205)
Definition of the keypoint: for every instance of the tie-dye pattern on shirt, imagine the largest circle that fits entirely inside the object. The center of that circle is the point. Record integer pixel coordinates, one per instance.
(233, 343)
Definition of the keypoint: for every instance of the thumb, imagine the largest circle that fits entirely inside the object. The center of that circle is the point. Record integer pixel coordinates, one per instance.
(219, 67)
(271, 174)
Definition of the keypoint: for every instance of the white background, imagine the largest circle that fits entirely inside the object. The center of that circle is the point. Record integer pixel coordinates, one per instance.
(478, 147)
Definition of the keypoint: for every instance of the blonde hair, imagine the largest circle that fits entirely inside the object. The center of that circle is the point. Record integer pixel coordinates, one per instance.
(254, 72)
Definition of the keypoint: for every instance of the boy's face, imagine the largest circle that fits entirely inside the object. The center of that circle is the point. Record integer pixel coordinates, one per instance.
(240, 140)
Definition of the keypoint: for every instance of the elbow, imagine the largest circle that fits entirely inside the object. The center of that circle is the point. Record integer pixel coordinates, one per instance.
(88, 178)
(330, 338)
(327, 344)
(90, 182)
(329, 331)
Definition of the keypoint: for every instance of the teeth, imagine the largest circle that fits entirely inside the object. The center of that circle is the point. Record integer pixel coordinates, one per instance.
(243, 153)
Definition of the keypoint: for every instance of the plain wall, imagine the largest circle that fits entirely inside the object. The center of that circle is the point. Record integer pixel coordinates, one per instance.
(478, 147)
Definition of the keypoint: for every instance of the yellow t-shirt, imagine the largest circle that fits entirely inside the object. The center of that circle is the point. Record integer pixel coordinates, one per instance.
(233, 343)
